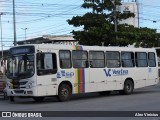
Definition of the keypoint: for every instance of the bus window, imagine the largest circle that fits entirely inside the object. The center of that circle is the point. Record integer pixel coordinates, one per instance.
(96, 59)
(65, 58)
(46, 63)
(151, 59)
(112, 59)
(141, 59)
(80, 59)
(127, 59)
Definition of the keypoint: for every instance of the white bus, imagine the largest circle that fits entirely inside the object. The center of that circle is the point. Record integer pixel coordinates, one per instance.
(43, 70)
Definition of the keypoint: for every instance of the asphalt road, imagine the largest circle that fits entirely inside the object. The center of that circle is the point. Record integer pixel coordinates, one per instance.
(144, 99)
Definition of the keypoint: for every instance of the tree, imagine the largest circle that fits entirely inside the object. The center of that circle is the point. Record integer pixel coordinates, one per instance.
(98, 24)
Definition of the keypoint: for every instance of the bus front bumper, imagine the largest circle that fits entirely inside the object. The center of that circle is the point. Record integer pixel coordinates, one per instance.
(20, 92)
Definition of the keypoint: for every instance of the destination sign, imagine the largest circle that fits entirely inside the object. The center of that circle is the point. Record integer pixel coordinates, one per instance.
(22, 50)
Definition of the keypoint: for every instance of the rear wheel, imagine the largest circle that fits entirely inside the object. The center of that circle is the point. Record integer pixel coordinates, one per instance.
(38, 99)
(64, 92)
(128, 87)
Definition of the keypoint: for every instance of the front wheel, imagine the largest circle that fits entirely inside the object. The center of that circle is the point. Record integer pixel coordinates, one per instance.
(64, 92)
(128, 87)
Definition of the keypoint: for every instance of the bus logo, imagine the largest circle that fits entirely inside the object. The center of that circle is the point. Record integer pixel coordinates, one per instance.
(114, 72)
(108, 74)
(63, 73)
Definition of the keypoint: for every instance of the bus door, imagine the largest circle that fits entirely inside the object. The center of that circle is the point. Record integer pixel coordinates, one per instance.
(46, 73)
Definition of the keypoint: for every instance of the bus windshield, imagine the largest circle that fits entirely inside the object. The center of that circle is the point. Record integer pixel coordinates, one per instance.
(20, 66)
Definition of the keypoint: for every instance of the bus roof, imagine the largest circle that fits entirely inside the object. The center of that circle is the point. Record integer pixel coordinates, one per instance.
(96, 48)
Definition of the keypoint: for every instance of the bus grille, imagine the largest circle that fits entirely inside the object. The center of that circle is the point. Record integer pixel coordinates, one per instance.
(23, 83)
(15, 84)
(19, 91)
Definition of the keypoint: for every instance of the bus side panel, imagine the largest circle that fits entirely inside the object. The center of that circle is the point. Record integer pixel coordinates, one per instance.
(46, 85)
(97, 79)
(80, 80)
(125, 73)
(106, 79)
(152, 76)
(140, 77)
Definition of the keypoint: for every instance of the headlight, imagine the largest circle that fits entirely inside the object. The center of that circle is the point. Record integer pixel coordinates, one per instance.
(29, 85)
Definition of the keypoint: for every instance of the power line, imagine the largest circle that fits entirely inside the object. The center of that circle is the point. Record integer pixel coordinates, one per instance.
(153, 6)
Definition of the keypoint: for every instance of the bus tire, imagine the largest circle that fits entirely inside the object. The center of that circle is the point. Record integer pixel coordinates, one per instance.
(38, 99)
(105, 92)
(128, 88)
(64, 92)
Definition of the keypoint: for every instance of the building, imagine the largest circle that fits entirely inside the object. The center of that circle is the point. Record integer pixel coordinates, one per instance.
(52, 39)
(129, 7)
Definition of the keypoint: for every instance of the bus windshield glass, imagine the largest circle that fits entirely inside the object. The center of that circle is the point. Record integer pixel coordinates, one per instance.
(20, 66)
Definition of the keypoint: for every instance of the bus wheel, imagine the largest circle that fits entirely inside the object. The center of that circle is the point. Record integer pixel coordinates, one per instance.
(128, 87)
(64, 92)
(105, 92)
(38, 99)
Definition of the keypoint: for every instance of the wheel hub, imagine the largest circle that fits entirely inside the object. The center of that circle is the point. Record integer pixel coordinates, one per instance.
(65, 92)
(128, 87)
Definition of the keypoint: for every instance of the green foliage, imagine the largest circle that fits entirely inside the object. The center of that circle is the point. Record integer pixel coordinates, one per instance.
(99, 28)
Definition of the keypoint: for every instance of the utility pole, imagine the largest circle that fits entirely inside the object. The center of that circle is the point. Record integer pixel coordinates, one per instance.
(1, 34)
(14, 25)
(115, 17)
(137, 3)
(24, 31)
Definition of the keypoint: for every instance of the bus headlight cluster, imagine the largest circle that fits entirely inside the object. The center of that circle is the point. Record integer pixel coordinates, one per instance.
(29, 85)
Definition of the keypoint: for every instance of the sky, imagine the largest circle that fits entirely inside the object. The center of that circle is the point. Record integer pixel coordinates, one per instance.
(49, 17)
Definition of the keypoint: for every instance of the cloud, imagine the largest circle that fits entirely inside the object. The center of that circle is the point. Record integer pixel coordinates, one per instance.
(1, 7)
